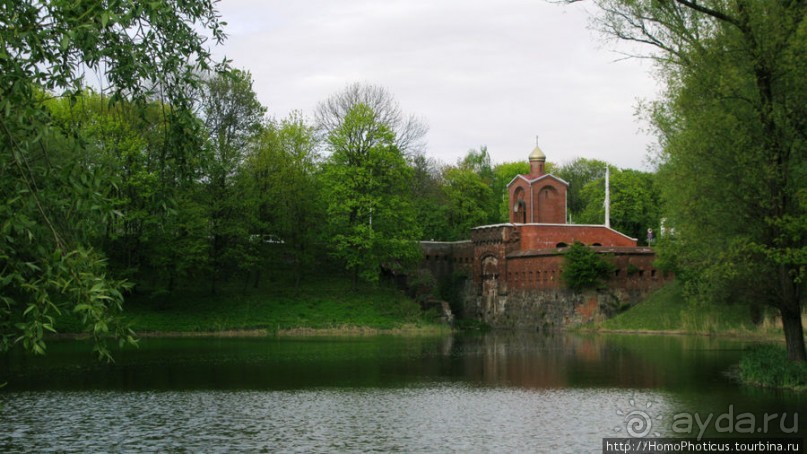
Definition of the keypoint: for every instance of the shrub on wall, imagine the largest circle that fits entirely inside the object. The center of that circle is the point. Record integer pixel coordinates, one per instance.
(583, 268)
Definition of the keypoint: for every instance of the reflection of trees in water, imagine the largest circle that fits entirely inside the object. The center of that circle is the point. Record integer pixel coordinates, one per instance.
(550, 360)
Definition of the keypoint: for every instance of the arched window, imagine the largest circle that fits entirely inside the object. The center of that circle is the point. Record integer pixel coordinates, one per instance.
(519, 214)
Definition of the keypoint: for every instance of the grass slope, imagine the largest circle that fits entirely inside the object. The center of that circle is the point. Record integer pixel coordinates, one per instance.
(667, 310)
(328, 303)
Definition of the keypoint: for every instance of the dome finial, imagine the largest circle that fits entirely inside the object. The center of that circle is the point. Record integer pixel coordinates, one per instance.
(537, 154)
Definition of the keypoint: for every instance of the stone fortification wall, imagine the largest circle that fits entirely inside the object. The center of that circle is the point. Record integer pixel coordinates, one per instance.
(633, 269)
(499, 278)
(549, 309)
(444, 259)
(529, 291)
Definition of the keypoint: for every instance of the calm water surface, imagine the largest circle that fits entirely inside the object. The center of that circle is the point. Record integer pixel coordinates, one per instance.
(499, 392)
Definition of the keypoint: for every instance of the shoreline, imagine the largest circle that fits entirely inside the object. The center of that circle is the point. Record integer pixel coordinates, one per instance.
(751, 336)
(405, 330)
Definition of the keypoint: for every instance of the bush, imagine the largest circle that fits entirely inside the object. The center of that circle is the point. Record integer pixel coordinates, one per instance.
(584, 268)
(768, 366)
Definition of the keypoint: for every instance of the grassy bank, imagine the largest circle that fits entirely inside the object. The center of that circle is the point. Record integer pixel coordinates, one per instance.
(666, 310)
(324, 305)
(767, 366)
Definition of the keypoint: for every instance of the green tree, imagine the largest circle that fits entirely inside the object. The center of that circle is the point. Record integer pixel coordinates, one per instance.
(281, 176)
(635, 202)
(732, 126)
(469, 201)
(584, 268)
(429, 199)
(366, 183)
(478, 162)
(151, 238)
(408, 131)
(233, 117)
(49, 264)
(578, 173)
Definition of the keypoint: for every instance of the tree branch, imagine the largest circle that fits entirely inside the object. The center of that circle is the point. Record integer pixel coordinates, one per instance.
(693, 4)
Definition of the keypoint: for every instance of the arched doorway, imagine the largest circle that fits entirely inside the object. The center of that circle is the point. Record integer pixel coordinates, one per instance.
(519, 208)
(490, 286)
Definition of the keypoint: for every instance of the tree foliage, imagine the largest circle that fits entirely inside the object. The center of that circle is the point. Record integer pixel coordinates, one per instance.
(431, 202)
(366, 183)
(139, 50)
(233, 117)
(280, 177)
(635, 202)
(732, 127)
(579, 173)
(408, 131)
(584, 268)
(470, 201)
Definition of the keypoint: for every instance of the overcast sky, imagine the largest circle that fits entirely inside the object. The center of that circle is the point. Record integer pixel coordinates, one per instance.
(478, 72)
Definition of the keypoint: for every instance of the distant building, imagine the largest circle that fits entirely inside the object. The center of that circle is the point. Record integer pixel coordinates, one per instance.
(537, 197)
(514, 270)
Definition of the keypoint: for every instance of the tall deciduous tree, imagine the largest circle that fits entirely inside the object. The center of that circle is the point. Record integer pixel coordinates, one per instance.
(430, 199)
(470, 201)
(367, 190)
(281, 176)
(732, 125)
(233, 117)
(408, 131)
(578, 173)
(635, 202)
(47, 265)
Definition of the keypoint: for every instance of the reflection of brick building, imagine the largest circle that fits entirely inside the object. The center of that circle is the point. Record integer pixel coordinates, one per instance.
(515, 269)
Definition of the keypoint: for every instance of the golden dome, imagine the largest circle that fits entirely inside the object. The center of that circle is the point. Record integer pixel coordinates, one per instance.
(537, 154)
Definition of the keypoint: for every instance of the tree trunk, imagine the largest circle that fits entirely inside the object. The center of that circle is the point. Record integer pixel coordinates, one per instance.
(794, 334)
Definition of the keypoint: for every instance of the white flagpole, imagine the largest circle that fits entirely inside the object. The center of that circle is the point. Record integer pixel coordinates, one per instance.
(607, 199)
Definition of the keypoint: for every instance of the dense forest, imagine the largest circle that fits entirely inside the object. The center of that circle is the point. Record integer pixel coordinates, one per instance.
(222, 193)
(255, 195)
(130, 161)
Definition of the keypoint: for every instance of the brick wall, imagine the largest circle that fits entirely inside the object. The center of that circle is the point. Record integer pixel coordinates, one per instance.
(549, 202)
(515, 274)
(544, 200)
(543, 269)
(445, 258)
(546, 236)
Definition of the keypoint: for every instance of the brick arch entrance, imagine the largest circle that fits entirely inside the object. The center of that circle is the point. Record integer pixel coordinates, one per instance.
(490, 286)
(519, 207)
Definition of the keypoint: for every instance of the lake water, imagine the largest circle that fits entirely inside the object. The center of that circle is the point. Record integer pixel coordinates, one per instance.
(498, 392)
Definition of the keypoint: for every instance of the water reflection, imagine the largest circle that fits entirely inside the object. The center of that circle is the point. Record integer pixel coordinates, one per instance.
(525, 360)
(495, 392)
(564, 360)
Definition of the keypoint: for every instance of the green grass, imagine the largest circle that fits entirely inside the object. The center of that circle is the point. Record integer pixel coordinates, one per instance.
(667, 310)
(768, 366)
(324, 303)
(661, 311)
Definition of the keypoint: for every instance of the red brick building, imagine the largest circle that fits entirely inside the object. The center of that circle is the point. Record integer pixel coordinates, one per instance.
(515, 269)
(538, 208)
(537, 197)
